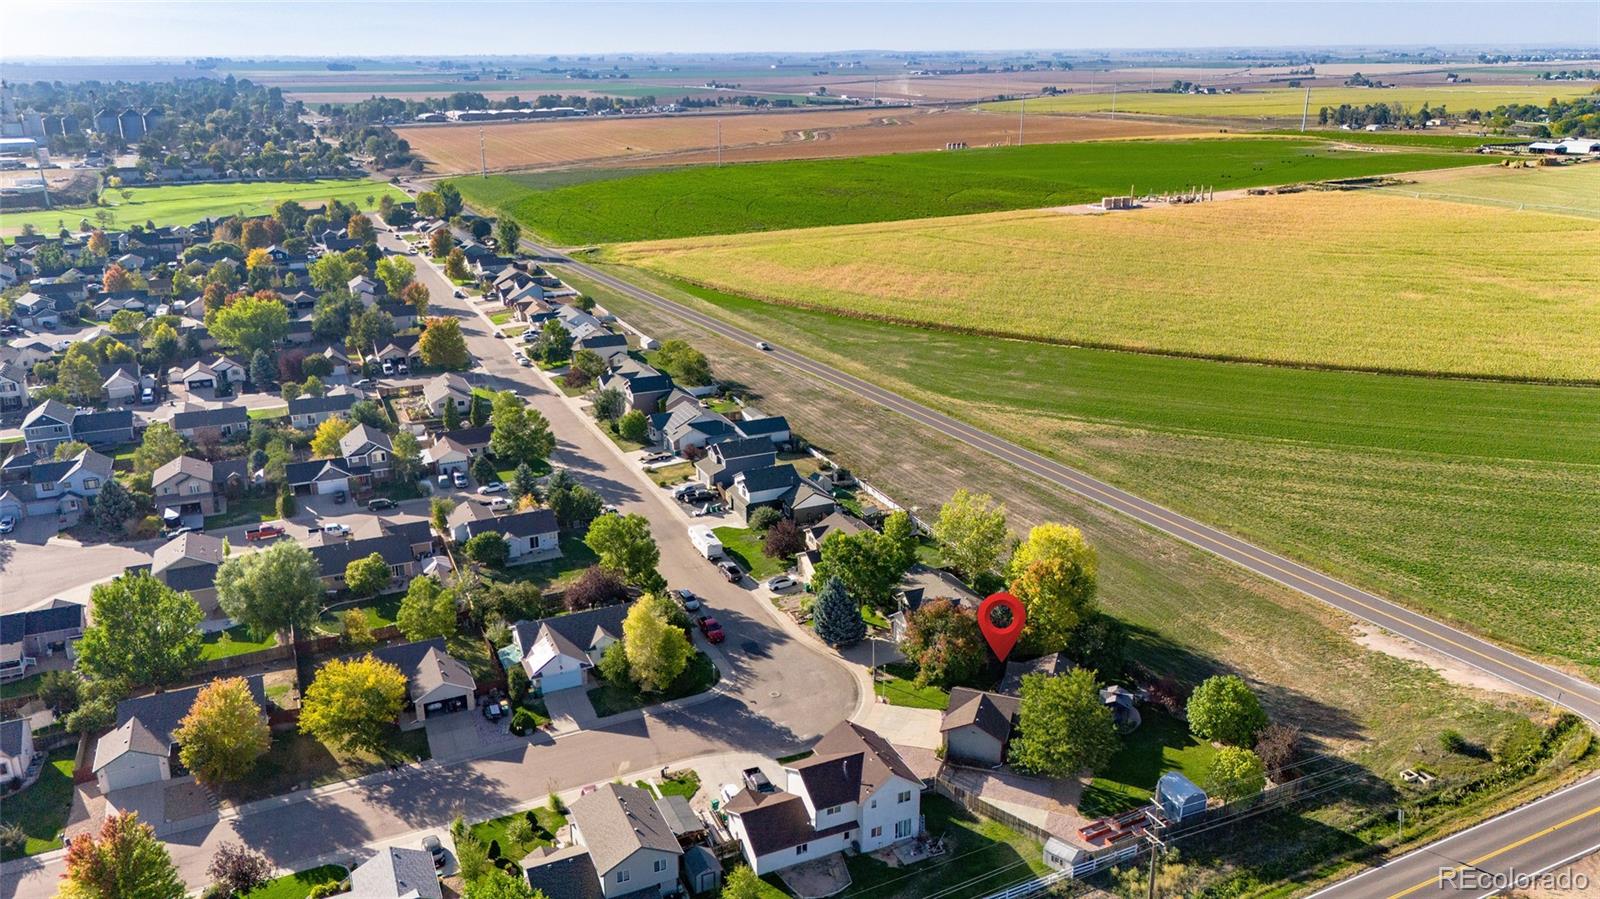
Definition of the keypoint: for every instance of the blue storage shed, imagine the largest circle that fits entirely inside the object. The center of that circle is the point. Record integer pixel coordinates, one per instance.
(1179, 798)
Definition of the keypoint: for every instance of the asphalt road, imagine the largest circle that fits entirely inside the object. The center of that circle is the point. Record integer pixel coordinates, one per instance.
(1540, 838)
(1527, 675)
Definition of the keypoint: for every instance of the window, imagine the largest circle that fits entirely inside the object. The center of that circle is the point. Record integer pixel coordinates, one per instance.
(833, 810)
(660, 865)
(874, 803)
(622, 876)
(877, 832)
(47, 485)
(905, 796)
(801, 849)
(902, 829)
(91, 483)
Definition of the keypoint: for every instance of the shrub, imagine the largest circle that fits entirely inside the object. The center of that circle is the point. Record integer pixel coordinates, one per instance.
(1452, 741)
(1224, 709)
(556, 805)
(324, 890)
(520, 831)
(523, 722)
(594, 588)
(517, 685)
(763, 518)
(1278, 747)
(286, 504)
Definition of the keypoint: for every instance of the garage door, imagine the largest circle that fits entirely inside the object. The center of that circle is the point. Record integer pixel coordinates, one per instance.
(445, 706)
(564, 680)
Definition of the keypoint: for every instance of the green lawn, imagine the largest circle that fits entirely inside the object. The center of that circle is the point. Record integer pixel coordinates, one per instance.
(474, 653)
(982, 857)
(744, 546)
(25, 686)
(297, 886)
(245, 510)
(611, 699)
(1162, 743)
(296, 761)
(874, 618)
(896, 684)
(380, 611)
(1416, 488)
(809, 193)
(500, 318)
(272, 412)
(41, 810)
(685, 785)
(234, 641)
(546, 822)
(669, 475)
(576, 556)
(185, 204)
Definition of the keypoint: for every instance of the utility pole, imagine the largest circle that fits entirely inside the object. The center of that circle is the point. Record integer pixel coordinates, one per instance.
(719, 143)
(1152, 825)
(483, 157)
(1020, 110)
(1113, 98)
(1304, 113)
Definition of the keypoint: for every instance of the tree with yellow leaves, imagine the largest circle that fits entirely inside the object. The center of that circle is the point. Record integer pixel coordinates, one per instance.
(224, 733)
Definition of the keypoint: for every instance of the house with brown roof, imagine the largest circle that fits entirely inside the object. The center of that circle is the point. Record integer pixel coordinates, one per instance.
(854, 792)
(622, 847)
(977, 727)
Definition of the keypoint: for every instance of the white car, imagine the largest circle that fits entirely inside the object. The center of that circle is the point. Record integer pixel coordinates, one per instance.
(496, 487)
(763, 345)
(780, 582)
(499, 504)
(459, 479)
(336, 529)
(7, 524)
(62, 346)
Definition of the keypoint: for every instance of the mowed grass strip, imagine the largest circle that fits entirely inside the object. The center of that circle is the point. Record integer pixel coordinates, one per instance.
(1290, 102)
(185, 204)
(1344, 280)
(1473, 500)
(1562, 190)
(806, 194)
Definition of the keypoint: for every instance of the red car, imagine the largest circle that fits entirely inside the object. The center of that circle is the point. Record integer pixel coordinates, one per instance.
(711, 629)
(265, 532)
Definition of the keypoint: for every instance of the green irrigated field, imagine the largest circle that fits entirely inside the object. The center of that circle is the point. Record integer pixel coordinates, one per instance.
(1474, 500)
(1564, 190)
(183, 204)
(1290, 102)
(1345, 280)
(812, 193)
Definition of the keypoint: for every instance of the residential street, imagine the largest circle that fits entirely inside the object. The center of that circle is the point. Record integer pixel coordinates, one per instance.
(784, 688)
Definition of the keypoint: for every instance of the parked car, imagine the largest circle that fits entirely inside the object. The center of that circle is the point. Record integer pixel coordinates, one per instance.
(388, 367)
(444, 480)
(524, 361)
(758, 781)
(732, 572)
(459, 479)
(499, 504)
(339, 497)
(690, 601)
(264, 532)
(169, 533)
(682, 490)
(336, 529)
(460, 294)
(147, 396)
(711, 629)
(494, 711)
(380, 503)
(779, 582)
(402, 367)
(493, 487)
(437, 850)
(361, 383)
(697, 495)
(7, 524)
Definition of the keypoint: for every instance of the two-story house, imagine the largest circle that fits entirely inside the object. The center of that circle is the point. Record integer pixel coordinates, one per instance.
(39, 486)
(25, 637)
(557, 652)
(642, 387)
(187, 487)
(724, 461)
(690, 425)
(854, 791)
(52, 423)
(367, 454)
(622, 847)
(781, 488)
(13, 388)
(188, 563)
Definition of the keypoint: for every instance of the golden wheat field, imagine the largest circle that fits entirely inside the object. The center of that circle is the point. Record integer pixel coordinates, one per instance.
(750, 137)
(1356, 280)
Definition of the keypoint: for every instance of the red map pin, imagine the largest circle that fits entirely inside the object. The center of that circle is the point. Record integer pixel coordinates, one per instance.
(1002, 639)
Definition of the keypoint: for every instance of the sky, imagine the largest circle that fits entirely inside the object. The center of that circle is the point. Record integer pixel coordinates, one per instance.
(173, 28)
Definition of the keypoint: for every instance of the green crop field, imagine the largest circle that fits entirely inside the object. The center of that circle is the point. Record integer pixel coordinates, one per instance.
(811, 193)
(1473, 500)
(183, 204)
(1427, 139)
(1347, 280)
(1290, 102)
(1564, 190)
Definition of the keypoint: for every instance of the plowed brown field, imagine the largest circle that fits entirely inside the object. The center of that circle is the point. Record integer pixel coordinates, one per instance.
(680, 140)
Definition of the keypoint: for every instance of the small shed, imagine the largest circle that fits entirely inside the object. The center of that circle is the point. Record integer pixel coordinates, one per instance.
(1179, 798)
(702, 873)
(1061, 855)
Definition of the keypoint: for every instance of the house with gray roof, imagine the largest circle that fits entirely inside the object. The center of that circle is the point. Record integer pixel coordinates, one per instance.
(26, 636)
(187, 489)
(641, 386)
(557, 652)
(141, 748)
(448, 388)
(631, 849)
(532, 535)
(188, 563)
(396, 873)
(306, 412)
(724, 460)
(773, 427)
(782, 488)
(437, 683)
(16, 749)
(211, 425)
(334, 553)
(36, 485)
(977, 727)
(13, 387)
(367, 450)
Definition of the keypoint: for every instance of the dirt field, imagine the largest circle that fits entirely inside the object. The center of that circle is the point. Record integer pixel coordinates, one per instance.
(749, 137)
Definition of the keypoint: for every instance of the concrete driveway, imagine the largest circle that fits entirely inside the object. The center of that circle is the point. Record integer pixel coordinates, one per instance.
(453, 736)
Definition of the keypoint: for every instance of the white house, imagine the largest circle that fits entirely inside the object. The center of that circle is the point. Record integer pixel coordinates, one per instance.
(139, 749)
(16, 748)
(622, 844)
(854, 791)
(556, 652)
(396, 873)
(532, 535)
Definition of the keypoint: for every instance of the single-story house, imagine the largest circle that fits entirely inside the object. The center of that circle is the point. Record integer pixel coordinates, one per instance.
(977, 727)
(25, 636)
(773, 427)
(306, 412)
(555, 652)
(447, 388)
(1052, 665)
(141, 749)
(532, 535)
(396, 873)
(318, 477)
(211, 425)
(437, 683)
(629, 847)
(121, 383)
(446, 456)
(334, 553)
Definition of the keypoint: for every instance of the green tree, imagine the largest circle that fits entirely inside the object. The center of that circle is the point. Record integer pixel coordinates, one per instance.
(405, 457)
(574, 505)
(262, 369)
(634, 426)
(614, 664)
(79, 374)
(68, 450)
(554, 345)
(606, 404)
(1223, 708)
(126, 321)
(687, 365)
(442, 345)
(521, 434)
(488, 548)
(250, 323)
(114, 506)
(333, 271)
(122, 860)
(763, 518)
(657, 651)
(869, 569)
(430, 206)
(624, 545)
(427, 611)
(509, 234)
(944, 642)
(439, 513)
(899, 541)
(590, 363)
(272, 591)
(451, 419)
(455, 265)
(353, 703)
(312, 386)
(224, 733)
(395, 272)
(523, 481)
(1235, 773)
(483, 470)
(837, 616)
(1053, 573)
(743, 883)
(1064, 728)
(143, 632)
(365, 577)
(497, 883)
(972, 530)
(357, 629)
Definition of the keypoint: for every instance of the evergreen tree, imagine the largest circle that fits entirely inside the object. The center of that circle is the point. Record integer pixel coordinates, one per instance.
(836, 616)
